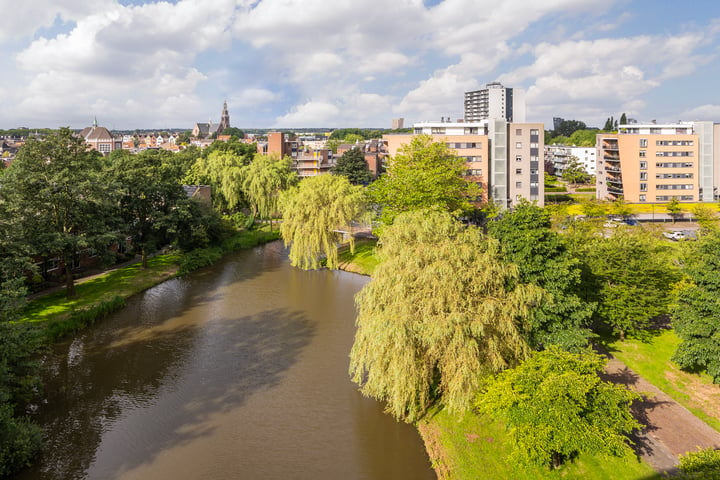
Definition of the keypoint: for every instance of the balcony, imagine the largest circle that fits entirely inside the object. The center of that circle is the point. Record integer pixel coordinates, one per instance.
(612, 169)
(615, 190)
(611, 157)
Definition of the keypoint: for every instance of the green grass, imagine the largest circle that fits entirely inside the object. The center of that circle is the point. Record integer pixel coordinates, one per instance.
(651, 360)
(473, 447)
(363, 261)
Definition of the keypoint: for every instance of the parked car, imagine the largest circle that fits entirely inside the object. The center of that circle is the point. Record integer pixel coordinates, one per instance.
(677, 235)
(631, 221)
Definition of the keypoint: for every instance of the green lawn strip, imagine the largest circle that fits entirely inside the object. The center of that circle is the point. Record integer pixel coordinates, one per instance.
(651, 360)
(363, 261)
(472, 447)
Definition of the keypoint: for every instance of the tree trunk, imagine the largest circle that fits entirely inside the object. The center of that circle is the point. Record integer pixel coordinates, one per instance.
(143, 258)
(556, 460)
(69, 280)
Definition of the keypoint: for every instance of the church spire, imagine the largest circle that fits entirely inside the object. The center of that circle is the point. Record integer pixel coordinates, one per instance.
(224, 118)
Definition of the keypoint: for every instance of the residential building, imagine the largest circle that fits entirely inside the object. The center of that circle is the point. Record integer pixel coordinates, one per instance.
(398, 123)
(100, 139)
(503, 158)
(307, 161)
(648, 163)
(495, 101)
(559, 155)
(374, 152)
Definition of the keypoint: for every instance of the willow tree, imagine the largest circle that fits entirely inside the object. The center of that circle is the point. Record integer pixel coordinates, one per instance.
(262, 181)
(315, 213)
(441, 311)
(221, 170)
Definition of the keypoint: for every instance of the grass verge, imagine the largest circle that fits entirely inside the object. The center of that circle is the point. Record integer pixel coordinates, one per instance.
(651, 360)
(363, 261)
(471, 447)
(107, 293)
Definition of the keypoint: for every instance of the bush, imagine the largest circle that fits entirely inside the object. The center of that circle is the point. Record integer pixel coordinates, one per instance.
(703, 464)
(558, 188)
(558, 199)
(201, 257)
(585, 189)
(80, 319)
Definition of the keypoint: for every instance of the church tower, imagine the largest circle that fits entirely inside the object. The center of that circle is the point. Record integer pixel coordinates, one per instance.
(224, 119)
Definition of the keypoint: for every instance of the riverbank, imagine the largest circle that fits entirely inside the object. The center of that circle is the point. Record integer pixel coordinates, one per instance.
(102, 294)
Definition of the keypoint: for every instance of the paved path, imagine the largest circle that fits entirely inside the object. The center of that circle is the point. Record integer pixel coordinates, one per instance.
(671, 429)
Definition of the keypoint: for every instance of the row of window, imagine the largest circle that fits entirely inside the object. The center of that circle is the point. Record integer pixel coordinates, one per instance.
(682, 186)
(533, 158)
(673, 175)
(533, 171)
(674, 154)
(474, 172)
(532, 185)
(674, 165)
(464, 145)
(674, 143)
(472, 158)
(667, 198)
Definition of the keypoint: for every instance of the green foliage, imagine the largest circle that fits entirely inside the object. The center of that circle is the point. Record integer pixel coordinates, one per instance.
(574, 171)
(349, 135)
(313, 214)
(442, 310)
(707, 217)
(424, 174)
(198, 258)
(556, 188)
(700, 465)
(198, 226)
(557, 407)
(585, 189)
(55, 188)
(81, 318)
(352, 165)
(568, 127)
(592, 207)
(621, 208)
(262, 181)
(674, 209)
(20, 439)
(234, 132)
(697, 309)
(631, 275)
(542, 258)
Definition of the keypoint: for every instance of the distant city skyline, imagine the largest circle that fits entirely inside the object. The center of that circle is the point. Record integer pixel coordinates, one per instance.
(361, 63)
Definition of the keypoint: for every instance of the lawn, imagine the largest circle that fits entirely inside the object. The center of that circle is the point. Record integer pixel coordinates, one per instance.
(651, 360)
(472, 447)
(363, 261)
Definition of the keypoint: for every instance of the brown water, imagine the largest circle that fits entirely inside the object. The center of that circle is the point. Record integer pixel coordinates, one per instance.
(235, 372)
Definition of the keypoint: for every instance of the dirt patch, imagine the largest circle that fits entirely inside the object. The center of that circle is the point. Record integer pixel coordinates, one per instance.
(704, 397)
(433, 446)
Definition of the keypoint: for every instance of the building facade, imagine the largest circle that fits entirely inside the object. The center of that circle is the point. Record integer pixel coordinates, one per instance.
(495, 101)
(558, 156)
(100, 139)
(503, 158)
(651, 163)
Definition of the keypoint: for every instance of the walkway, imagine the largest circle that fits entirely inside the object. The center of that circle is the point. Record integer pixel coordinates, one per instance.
(671, 429)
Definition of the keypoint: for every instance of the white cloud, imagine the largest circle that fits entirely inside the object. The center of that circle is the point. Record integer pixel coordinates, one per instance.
(310, 114)
(702, 112)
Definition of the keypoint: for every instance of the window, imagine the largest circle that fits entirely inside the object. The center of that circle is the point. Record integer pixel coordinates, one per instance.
(533, 145)
(518, 171)
(643, 187)
(518, 158)
(418, 131)
(471, 130)
(534, 131)
(518, 131)
(518, 184)
(437, 130)
(643, 165)
(518, 145)
(643, 198)
(643, 153)
(643, 175)
(643, 142)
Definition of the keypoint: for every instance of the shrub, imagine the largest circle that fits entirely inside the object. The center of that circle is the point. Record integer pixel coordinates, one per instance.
(703, 464)
(585, 189)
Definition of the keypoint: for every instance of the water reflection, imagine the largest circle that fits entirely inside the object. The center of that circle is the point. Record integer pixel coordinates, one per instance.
(238, 371)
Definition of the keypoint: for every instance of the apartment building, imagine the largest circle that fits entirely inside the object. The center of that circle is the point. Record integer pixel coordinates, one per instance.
(307, 161)
(495, 101)
(559, 155)
(649, 163)
(502, 158)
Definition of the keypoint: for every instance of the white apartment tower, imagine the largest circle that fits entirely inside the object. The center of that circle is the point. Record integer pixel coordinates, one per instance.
(495, 102)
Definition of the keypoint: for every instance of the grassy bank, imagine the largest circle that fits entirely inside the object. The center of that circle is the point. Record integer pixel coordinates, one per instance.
(471, 447)
(363, 261)
(651, 360)
(106, 293)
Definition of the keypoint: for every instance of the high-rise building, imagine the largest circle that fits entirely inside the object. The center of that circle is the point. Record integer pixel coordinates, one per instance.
(398, 123)
(649, 163)
(495, 102)
(503, 158)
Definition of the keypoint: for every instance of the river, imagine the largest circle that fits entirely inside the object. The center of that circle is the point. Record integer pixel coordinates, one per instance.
(237, 371)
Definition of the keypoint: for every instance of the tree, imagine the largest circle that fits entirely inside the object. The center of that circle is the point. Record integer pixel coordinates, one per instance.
(527, 240)
(609, 125)
(314, 214)
(441, 311)
(574, 171)
(352, 165)
(234, 132)
(557, 407)
(632, 274)
(623, 119)
(674, 209)
(221, 170)
(567, 127)
(620, 208)
(148, 192)
(424, 174)
(583, 138)
(262, 181)
(55, 188)
(700, 465)
(697, 309)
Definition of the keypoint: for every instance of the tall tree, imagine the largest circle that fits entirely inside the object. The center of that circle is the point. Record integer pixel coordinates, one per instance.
(352, 165)
(148, 192)
(697, 310)
(262, 181)
(314, 214)
(557, 407)
(623, 119)
(527, 240)
(441, 311)
(567, 127)
(424, 174)
(55, 188)
(674, 209)
(220, 169)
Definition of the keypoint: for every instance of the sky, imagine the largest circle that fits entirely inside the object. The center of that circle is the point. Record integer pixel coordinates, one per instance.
(352, 63)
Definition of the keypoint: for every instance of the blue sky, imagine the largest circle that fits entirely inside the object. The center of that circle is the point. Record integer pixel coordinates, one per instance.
(352, 63)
